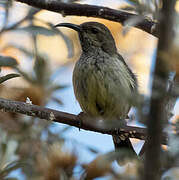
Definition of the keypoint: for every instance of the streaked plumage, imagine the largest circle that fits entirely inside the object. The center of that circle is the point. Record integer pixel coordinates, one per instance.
(103, 83)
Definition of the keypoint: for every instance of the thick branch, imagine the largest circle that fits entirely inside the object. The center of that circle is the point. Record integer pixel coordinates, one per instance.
(70, 119)
(157, 117)
(74, 9)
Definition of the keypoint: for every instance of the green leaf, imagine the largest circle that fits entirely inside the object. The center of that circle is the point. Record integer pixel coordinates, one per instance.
(35, 30)
(41, 70)
(3, 148)
(7, 77)
(7, 61)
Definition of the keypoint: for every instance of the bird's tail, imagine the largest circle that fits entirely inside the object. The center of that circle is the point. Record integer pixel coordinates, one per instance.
(123, 144)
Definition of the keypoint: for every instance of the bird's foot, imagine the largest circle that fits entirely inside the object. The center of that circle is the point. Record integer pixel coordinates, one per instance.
(120, 134)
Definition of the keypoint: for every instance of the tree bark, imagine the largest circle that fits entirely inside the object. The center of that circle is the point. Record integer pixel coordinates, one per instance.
(74, 9)
(70, 119)
(156, 117)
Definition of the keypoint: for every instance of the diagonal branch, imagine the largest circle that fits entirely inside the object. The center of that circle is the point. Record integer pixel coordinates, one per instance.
(70, 119)
(74, 9)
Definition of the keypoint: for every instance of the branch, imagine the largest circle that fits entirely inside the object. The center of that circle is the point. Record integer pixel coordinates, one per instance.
(171, 97)
(70, 119)
(74, 9)
(168, 104)
(157, 116)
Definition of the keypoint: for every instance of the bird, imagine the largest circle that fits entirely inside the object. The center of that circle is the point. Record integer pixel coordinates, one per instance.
(103, 83)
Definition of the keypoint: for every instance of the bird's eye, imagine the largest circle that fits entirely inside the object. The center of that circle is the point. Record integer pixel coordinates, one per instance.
(94, 30)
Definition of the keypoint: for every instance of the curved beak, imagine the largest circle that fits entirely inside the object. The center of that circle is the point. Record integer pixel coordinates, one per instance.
(69, 25)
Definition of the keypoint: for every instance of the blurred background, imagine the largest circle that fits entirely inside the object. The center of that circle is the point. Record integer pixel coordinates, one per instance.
(45, 59)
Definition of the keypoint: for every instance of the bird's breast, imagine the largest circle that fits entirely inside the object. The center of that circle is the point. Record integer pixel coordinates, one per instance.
(101, 86)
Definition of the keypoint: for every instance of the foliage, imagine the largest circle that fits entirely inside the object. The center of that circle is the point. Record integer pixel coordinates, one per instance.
(21, 133)
(29, 144)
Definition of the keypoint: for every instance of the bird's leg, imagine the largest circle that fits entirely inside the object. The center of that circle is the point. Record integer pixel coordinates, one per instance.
(120, 134)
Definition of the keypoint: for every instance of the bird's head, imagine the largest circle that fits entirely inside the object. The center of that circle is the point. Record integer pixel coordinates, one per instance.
(93, 35)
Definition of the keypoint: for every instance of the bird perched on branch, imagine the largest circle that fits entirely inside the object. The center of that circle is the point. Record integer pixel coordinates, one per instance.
(103, 83)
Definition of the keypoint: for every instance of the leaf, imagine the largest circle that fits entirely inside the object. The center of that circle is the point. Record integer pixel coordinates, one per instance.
(130, 23)
(65, 129)
(58, 87)
(35, 30)
(69, 45)
(41, 69)
(20, 48)
(7, 61)
(7, 77)
(128, 8)
(134, 2)
(3, 148)
(93, 150)
(11, 167)
(33, 11)
(68, 41)
(25, 75)
(7, 6)
(57, 100)
(57, 31)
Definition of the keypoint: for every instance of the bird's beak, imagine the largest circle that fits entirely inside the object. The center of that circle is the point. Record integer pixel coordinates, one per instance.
(69, 25)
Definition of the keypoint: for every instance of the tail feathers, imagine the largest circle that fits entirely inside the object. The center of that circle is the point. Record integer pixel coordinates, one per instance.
(125, 148)
(121, 143)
